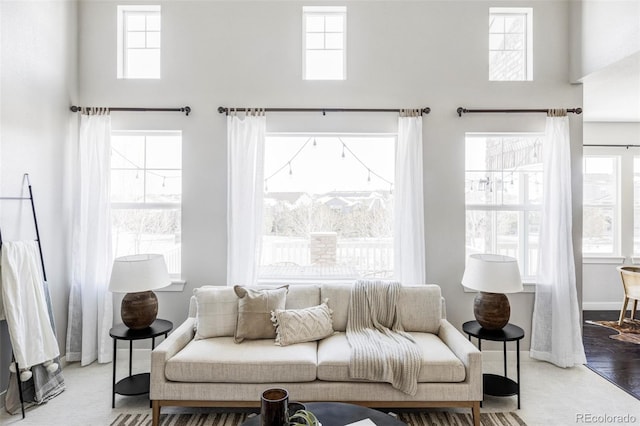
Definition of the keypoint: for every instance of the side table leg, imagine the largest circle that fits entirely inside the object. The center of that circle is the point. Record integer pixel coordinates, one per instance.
(113, 382)
(518, 369)
(130, 355)
(504, 357)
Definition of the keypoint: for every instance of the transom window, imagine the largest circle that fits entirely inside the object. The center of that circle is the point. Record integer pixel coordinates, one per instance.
(503, 196)
(510, 44)
(328, 207)
(139, 41)
(146, 195)
(324, 42)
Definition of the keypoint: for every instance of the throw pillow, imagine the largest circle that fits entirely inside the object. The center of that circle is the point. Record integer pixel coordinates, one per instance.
(217, 311)
(254, 311)
(302, 325)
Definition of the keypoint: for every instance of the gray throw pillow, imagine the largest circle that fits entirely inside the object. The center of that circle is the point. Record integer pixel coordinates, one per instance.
(254, 311)
(302, 325)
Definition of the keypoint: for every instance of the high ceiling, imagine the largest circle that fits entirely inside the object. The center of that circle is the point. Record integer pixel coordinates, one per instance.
(613, 93)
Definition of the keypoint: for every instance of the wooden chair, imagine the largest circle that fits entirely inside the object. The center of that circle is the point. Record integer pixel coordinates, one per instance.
(631, 282)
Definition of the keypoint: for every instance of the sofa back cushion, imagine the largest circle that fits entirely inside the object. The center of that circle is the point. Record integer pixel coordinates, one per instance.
(216, 307)
(421, 306)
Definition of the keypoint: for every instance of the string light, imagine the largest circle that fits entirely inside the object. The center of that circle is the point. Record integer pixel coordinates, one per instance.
(369, 176)
(290, 171)
(343, 146)
(138, 168)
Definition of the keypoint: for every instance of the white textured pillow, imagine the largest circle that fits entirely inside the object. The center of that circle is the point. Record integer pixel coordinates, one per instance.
(217, 312)
(302, 325)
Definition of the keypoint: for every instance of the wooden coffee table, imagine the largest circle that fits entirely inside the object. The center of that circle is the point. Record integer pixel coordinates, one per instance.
(339, 413)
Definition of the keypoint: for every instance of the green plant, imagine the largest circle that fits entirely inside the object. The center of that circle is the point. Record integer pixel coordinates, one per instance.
(303, 417)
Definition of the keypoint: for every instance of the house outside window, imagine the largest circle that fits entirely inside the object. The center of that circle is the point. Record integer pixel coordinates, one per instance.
(503, 196)
(138, 42)
(510, 44)
(328, 207)
(324, 42)
(146, 195)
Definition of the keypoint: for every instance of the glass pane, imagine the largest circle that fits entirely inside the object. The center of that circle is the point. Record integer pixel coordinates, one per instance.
(324, 65)
(135, 39)
(138, 231)
(514, 23)
(127, 186)
(600, 180)
(127, 151)
(315, 24)
(315, 41)
(496, 24)
(334, 41)
(636, 229)
(514, 41)
(506, 66)
(153, 40)
(478, 235)
(135, 22)
(334, 23)
(507, 235)
(143, 63)
(328, 217)
(496, 41)
(598, 230)
(164, 152)
(529, 265)
(534, 187)
(164, 186)
(153, 22)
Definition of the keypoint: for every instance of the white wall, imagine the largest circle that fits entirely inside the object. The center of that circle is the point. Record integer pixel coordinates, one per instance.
(604, 32)
(38, 67)
(248, 53)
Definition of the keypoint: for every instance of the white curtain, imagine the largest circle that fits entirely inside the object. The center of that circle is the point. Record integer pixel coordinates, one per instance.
(90, 302)
(409, 251)
(556, 334)
(245, 162)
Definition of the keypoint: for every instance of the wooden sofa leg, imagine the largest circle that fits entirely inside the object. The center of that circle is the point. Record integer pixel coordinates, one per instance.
(475, 411)
(155, 409)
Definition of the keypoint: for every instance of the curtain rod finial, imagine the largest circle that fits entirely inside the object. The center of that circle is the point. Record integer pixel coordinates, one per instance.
(578, 110)
(187, 110)
(223, 110)
(460, 110)
(74, 108)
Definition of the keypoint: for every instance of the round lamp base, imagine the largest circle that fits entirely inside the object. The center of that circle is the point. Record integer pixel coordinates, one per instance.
(139, 310)
(492, 310)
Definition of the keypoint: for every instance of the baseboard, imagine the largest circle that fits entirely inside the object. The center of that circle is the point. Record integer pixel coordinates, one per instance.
(602, 306)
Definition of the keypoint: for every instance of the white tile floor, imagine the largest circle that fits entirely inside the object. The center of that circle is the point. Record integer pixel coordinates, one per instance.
(550, 395)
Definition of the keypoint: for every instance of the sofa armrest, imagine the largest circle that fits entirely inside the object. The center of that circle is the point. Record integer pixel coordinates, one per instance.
(470, 356)
(173, 344)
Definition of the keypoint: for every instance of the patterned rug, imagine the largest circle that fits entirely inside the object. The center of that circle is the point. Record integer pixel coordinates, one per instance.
(435, 418)
(628, 332)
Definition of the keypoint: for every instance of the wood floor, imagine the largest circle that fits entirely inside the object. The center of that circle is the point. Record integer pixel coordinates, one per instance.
(616, 361)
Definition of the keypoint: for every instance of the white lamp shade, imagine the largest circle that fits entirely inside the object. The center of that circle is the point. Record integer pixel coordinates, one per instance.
(139, 272)
(492, 273)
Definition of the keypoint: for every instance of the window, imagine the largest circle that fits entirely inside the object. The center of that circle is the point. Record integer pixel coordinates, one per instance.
(601, 210)
(146, 194)
(324, 43)
(328, 207)
(138, 42)
(510, 44)
(503, 196)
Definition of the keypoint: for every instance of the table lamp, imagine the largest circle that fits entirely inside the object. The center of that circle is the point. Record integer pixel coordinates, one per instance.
(137, 275)
(492, 275)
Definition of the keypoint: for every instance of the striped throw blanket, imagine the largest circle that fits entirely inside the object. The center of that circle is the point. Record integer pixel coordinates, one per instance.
(380, 349)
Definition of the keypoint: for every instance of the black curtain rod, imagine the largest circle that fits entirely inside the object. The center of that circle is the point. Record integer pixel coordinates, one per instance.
(185, 109)
(613, 146)
(324, 111)
(466, 111)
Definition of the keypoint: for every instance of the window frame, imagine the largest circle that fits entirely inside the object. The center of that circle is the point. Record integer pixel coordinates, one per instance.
(522, 208)
(122, 40)
(129, 205)
(324, 11)
(528, 39)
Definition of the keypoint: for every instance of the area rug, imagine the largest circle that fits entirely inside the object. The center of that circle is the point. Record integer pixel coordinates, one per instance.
(628, 332)
(436, 418)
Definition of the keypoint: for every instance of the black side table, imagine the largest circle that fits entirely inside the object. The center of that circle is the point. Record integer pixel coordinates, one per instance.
(494, 384)
(137, 384)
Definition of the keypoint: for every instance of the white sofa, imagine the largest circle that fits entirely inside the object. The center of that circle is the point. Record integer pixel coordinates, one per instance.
(217, 372)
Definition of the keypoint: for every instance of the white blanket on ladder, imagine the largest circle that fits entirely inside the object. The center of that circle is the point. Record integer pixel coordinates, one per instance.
(25, 305)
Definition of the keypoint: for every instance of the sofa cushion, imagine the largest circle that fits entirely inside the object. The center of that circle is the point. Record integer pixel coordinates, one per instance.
(302, 325)
(420, 305)
(439, 364)
(254, 311)
(219, 359)
(216, 311)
